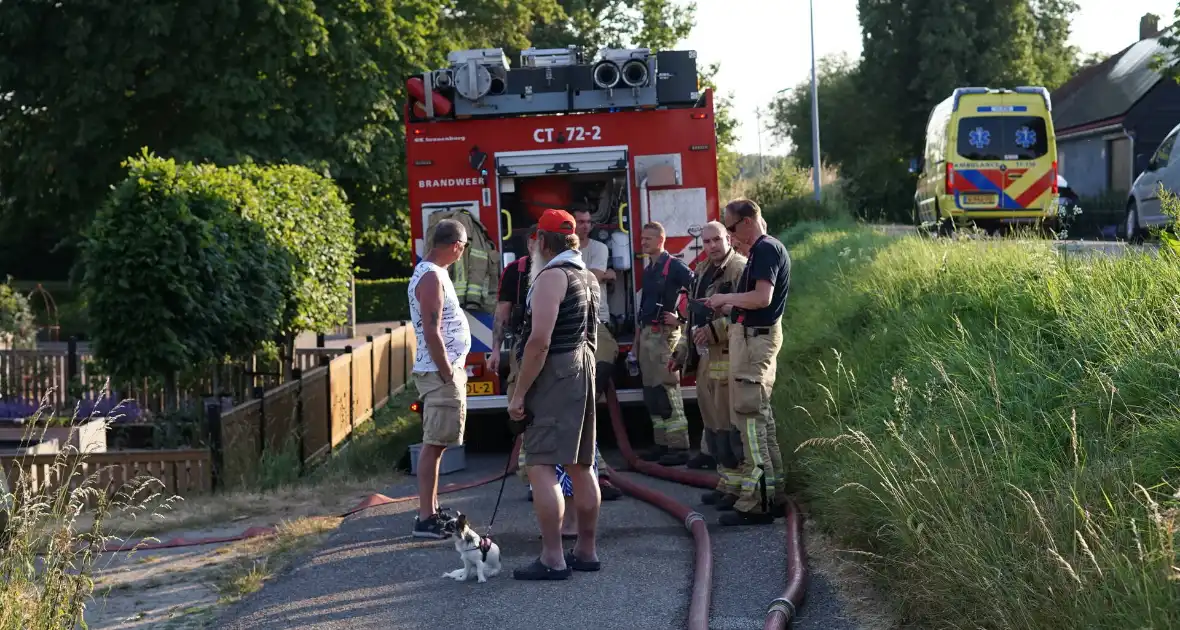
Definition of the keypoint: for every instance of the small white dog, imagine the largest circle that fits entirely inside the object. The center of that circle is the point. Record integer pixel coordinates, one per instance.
(485, 560)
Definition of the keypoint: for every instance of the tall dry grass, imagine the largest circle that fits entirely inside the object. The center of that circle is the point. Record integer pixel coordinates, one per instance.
(51, 538)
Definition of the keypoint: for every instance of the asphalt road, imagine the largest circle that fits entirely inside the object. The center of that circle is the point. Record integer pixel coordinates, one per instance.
(1066, 246)
(371, 574)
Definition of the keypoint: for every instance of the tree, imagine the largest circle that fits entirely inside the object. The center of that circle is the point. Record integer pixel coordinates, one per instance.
(843, 118)
(1087, 60)
(318, 84)
(187, 265)
(593, 24)
(1169, 63)
(915, 53)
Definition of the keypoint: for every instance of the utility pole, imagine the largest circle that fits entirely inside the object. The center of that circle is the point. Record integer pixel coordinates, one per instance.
(758, 117)
(814, 111)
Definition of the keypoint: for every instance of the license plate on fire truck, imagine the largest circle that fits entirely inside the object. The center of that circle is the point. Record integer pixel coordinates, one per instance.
(480, 388)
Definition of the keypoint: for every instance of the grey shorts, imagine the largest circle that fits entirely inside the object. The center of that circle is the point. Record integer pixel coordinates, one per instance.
(562, 401)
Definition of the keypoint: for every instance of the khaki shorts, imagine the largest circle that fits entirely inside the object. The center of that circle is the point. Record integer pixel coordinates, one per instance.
(444, 407)
(562, 401)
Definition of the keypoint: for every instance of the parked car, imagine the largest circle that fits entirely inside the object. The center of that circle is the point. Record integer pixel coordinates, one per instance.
(1066, 197)
(1144, 208)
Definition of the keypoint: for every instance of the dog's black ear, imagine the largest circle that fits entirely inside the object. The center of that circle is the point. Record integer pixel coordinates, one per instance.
(461, 522)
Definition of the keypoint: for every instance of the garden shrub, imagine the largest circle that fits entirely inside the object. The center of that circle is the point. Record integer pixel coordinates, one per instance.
(16, 319)
(190, 264)
(382, 300)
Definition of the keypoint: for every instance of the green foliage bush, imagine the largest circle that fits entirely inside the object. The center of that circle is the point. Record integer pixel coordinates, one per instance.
(305, 216)
(382, 300)
(16, 319)
(779, 184)
(188, 264)
(791, 211)
(993, 424)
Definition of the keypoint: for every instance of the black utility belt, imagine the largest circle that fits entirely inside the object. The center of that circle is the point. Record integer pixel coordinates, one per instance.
(755, 331)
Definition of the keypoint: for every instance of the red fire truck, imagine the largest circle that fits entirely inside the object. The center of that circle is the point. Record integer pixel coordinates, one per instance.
(628, 135)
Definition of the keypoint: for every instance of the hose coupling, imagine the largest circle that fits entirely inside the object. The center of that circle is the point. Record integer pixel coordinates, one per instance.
(784, 606)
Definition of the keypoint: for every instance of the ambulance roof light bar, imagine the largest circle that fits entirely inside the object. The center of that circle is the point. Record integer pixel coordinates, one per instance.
(1036, 89)
(1024, 89)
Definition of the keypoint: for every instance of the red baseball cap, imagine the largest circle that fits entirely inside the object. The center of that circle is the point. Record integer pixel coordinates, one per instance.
(558, 221)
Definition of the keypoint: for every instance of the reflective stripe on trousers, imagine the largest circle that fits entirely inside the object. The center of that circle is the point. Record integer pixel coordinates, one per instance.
(753, 363)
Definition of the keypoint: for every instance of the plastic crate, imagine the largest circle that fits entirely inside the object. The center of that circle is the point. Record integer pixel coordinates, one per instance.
(453, 459)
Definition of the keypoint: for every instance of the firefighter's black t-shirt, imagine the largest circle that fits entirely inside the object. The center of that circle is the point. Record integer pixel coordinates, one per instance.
(768, 261)
(654, 302)
(514, 282)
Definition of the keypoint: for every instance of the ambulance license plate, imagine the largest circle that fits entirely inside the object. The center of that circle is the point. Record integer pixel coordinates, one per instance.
(480, 388)
(980, 200)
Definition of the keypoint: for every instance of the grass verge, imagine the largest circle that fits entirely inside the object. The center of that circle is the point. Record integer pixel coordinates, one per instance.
(992, 428)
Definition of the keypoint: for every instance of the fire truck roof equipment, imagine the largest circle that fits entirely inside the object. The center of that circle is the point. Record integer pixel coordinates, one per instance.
(480, 83)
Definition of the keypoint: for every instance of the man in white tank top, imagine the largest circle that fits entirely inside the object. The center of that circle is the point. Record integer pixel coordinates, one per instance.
(444, 339)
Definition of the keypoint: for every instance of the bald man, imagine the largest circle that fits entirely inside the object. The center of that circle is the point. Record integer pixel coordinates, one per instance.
(718, 273)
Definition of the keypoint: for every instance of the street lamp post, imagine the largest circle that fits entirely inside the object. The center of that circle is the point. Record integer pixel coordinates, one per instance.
(814, 110)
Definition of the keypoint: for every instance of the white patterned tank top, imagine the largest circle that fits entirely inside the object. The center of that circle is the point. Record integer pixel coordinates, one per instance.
(456, 334)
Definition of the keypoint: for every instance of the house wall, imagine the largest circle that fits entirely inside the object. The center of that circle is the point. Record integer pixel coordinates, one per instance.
(1083, 163)
(1152, 119)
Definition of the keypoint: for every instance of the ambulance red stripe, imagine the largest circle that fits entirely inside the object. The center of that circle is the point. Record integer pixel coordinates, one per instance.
(1036, 190)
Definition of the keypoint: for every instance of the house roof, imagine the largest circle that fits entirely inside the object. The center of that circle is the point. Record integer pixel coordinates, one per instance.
(1106, 91)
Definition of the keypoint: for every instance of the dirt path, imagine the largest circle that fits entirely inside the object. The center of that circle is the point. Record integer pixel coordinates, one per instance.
(184, 587)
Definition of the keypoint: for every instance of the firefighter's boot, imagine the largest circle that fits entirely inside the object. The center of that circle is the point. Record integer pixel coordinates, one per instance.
(675, 457)
(654, 454)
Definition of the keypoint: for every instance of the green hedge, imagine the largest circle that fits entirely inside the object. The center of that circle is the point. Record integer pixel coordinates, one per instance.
(187, 264)
(990, 426)
(382, 300)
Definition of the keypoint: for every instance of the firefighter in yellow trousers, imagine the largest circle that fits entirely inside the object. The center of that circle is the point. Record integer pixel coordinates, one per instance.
(755, 336)
(659, 333)
(719, 273)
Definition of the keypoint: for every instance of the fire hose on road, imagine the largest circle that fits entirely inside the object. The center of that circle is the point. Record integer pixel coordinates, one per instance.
(783, 608)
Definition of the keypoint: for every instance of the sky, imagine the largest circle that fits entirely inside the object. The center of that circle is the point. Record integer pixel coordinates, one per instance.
(764, 45)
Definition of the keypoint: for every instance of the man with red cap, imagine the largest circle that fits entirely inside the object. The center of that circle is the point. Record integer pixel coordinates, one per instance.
(555, 395)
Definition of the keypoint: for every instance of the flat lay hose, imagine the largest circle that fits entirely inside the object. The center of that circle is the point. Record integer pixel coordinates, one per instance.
(784, 608)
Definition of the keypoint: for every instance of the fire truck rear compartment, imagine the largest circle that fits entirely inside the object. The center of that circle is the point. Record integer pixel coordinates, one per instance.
(605, 196)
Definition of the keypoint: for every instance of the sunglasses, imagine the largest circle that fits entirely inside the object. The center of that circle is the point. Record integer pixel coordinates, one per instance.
(733, 228)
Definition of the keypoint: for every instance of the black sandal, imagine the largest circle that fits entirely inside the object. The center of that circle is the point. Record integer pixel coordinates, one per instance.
(563, 537)
(572, 561)
(538, 571)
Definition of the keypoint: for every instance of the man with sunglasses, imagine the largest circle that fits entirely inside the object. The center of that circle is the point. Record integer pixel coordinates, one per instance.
(444, 339)
(755, 337)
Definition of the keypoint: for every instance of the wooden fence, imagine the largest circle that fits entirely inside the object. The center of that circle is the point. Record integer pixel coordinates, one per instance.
(48, 374)
(315, 413)
(311, 416)
(184, 472)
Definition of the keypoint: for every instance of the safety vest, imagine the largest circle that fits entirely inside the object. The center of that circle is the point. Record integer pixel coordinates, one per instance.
(476, 274)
